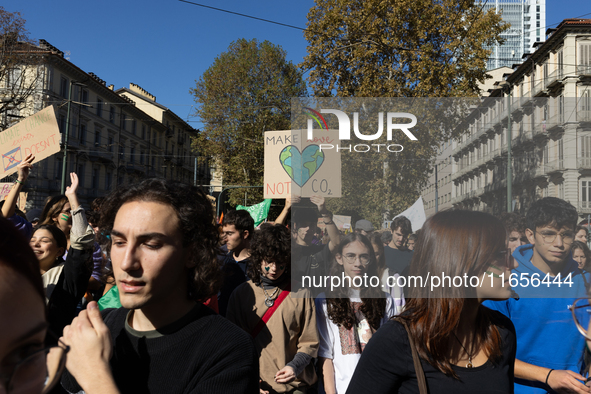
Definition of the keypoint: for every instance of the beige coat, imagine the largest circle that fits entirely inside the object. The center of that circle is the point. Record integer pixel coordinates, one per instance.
(291, 329)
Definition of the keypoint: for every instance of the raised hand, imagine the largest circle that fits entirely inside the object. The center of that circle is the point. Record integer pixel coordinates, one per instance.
(71, 191)
(25, 167)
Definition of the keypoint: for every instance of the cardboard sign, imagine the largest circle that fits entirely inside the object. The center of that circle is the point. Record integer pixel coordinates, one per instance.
(38, 134)
(5, 188)
(296, 166)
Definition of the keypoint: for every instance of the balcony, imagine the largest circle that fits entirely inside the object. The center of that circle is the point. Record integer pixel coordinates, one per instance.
(584, 207)
(554, 166)
(169, 133)
(584, 70)
(180, 140)
(584, 163)
(584, 116)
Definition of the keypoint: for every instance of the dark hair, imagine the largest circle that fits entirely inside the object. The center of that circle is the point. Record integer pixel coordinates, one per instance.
(97, 203)
(513, 222)
(52, 209)
(386, 236)
(403, 223)
(376, 239)
(93, 217)
(373, 299)
(583, 246)
(465, 242)
(57, 234)
(16, 254)
(413, 237)
(551, 211)
(581, 228)
(196, 223)
(271, 243)
(302, 216)
(241, 220)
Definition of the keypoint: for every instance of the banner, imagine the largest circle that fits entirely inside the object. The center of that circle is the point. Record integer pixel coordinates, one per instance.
(416, 215)
(38, 134)
(258, 212)
(297, 166)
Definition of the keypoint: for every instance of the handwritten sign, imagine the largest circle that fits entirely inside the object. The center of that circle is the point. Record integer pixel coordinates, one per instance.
(38, 134)
(297, 166)
(5, 188)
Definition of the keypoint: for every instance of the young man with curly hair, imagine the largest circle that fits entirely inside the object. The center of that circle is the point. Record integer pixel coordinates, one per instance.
(283, 325)
(162, 340)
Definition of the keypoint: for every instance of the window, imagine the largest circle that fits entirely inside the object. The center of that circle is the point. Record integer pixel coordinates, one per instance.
(58, 168)
(64, 87)
(133, 126)
(585, 58)
(586, 193)
(153, 137)
(99, 107)
(84, 96)
(132, 155)
(112, 114)
(62, 123)
(108, 180)
(143, 132)
(97, 137)
(82, 136)
(80, 174)
(560, 57)
(95, 178)
(111, 143)
(142, 153)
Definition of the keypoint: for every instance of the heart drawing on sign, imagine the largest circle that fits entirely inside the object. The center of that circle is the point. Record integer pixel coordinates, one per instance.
(301, 166)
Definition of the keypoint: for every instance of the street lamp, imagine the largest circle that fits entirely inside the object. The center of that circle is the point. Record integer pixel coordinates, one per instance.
(64, 166)
(506, 85)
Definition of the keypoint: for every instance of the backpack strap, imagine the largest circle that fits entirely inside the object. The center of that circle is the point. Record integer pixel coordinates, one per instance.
(269, 312)
(416, 360)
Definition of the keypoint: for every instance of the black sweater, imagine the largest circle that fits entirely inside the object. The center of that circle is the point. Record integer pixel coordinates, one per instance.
(386, 366)
(200, 353)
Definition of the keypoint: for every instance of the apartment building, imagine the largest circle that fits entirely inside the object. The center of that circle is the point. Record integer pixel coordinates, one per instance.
(111, 139)
(545, 101)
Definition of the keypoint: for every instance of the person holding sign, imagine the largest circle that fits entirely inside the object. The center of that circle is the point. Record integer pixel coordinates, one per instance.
(9, 204)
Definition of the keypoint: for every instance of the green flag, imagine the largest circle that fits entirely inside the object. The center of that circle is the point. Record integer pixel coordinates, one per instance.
(258, 212)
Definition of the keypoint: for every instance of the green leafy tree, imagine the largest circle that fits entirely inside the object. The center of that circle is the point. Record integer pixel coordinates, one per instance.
(396, 48)
(245, 92)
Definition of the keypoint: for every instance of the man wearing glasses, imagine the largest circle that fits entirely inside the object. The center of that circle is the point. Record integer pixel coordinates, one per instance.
(547, 282)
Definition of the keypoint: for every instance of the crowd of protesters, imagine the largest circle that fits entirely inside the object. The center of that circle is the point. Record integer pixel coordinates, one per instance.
(187, 305)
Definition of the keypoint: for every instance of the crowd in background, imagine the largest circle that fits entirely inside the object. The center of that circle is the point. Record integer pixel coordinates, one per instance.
(146, 292)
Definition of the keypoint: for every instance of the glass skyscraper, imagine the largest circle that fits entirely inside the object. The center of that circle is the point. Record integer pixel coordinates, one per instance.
(528, 25)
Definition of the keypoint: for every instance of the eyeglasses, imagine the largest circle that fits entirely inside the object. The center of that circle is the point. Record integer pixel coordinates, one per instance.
(581, 311)
(350, 258)
(549, 236)
(25, 376)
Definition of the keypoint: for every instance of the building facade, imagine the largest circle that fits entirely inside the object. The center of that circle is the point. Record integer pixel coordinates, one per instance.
(546, 103)
(527, 19)
(112, 139)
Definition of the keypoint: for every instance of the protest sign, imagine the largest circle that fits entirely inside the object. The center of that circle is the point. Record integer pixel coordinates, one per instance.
(5, 188)
(416, 214)
(38, 134)
(300, 167)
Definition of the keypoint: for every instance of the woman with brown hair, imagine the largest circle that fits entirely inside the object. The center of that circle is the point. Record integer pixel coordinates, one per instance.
(446, 340)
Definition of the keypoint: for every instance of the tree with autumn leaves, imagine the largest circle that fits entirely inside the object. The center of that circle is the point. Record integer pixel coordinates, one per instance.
(396, 48)
(245, 92)
(19, 71)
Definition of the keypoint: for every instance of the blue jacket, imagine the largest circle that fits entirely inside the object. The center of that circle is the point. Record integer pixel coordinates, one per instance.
(546, 333)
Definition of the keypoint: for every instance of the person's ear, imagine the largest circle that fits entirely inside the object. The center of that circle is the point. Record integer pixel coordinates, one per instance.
(245, 234)
(530, 236)
(339, 258)
(60, 252)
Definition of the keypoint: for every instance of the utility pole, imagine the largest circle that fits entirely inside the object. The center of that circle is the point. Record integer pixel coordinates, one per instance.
(436, 191)
(64, 163)
(509, 166)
